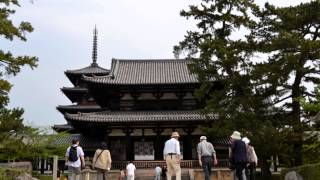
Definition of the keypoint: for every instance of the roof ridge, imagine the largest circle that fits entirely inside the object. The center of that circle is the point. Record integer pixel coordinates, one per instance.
(88, 67)
(148, 60)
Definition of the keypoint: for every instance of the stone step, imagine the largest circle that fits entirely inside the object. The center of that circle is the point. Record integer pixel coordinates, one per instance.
(152, 178)
(149, 174)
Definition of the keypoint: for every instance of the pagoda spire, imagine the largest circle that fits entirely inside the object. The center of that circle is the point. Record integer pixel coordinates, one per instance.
(95, 45)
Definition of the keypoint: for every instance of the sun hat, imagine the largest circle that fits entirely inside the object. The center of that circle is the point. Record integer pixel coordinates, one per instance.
(236, 135)
(203, 138)
(175, 134)
(246, 140)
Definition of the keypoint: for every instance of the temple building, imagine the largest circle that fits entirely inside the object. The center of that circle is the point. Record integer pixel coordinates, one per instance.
(135, 106)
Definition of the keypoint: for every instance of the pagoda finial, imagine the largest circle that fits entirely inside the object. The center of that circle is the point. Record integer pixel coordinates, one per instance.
(95, 44)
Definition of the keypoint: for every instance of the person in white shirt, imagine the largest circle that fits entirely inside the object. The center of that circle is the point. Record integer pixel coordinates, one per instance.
(74, 165)
(158, 171)
(130, 171)
(171, 154)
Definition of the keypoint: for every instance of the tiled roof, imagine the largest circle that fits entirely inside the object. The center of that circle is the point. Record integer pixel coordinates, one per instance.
(62, 126)
(85, 142)
(135, 72)
(79, 107)
(140, 116)
(92, 69)
(221, 140)
(74, 89)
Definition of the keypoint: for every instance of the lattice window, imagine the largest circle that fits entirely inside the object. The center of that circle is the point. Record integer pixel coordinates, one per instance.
(143, 151)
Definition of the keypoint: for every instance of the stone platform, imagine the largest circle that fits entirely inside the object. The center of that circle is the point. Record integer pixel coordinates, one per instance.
(149, 174)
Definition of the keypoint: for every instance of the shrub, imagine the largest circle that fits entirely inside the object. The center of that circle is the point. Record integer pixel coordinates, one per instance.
(308, 171)
(10, 173)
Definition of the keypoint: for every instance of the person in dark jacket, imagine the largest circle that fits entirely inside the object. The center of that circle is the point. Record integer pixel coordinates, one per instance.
(238, 154)
(164, 172)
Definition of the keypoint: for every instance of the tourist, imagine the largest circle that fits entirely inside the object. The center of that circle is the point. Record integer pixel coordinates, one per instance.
(233, 169)
(238, 154)
(122, 175)
(130, 171)
(171, 154)
(206, 154)
(158, 172)
(74, 159)
(102, 161)
(164, 172)
(252, 159)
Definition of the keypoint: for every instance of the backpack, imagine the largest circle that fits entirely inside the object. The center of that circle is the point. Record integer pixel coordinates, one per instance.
(73, 156)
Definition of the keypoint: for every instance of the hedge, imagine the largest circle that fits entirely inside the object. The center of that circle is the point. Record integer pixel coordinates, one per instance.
(308, 171)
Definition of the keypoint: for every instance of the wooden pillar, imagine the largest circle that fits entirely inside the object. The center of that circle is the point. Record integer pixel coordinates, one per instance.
(158, 144)
(180, 94)
(129, 144)
(42, 165)
(55, 167)
(187, 143)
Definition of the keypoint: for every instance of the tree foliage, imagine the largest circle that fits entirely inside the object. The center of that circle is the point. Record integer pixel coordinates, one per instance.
(17, 141)
(10, 64)
(261, 59)
(290, 38)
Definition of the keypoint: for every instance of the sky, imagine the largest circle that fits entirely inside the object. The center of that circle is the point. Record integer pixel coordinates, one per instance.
(62, 40)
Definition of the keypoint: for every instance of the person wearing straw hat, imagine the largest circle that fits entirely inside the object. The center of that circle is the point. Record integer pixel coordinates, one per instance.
(252, 159)
(238, 154)
(206, 154)
(171, 154)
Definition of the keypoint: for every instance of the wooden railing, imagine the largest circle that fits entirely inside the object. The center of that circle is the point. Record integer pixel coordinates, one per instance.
(152, 164)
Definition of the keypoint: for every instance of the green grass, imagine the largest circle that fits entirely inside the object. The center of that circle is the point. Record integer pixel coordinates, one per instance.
(47, 177)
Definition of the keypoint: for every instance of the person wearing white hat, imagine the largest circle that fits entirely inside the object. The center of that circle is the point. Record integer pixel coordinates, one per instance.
(252, 159)
(171, 154)
(238, 154)
(206, 154)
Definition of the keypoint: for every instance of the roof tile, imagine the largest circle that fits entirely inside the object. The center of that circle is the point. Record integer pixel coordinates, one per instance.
(92, 69)
(127, 72)
(140, 116)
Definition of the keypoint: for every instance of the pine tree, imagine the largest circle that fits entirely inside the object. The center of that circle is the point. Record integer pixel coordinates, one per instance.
(219, 57)
(223, 63)
(289, 36)
(245, 92)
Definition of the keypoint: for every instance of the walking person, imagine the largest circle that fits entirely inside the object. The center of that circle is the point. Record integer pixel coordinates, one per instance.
(233, 169)
(74, 159)
(158, 171)
(122, 175)
(164, 172)
(238, 154)
(131, 168)
(171, 154)
(102, 161)
(252, 159)
(206, 154)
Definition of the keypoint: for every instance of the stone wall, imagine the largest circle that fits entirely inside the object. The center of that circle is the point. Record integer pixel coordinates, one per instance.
(25, 166)
(195, 174)
(217, 174)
